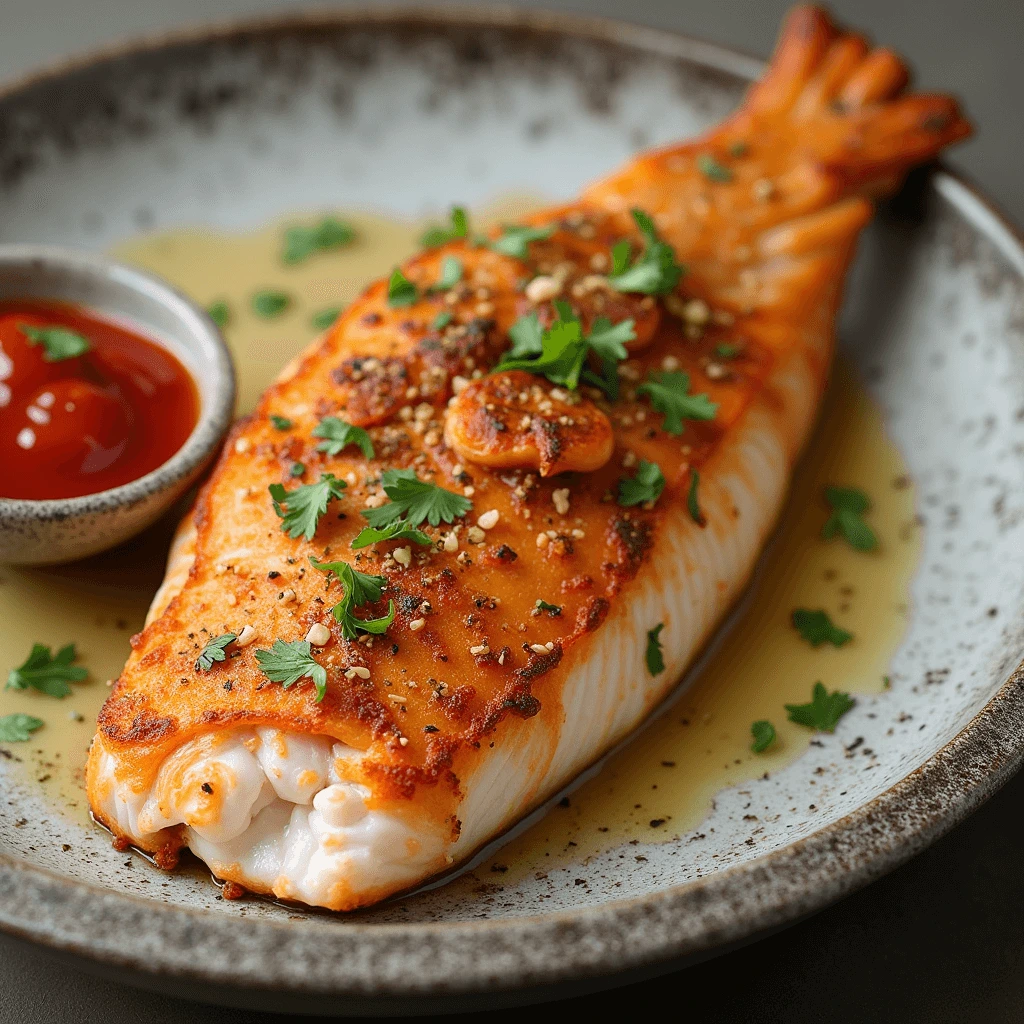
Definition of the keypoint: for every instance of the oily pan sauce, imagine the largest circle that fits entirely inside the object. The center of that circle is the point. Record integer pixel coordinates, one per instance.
(86, 404)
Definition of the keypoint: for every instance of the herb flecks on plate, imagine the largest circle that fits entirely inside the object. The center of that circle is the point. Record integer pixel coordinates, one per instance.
(849, 505)
(654, 271)
(764, 736)
(59, 343)
(214, 651)
(669, 393)
(401, 291)
(415, 501)
(301, 508)
(515, 240)
(653, 657)
(359, 588)
(301, 241)
(457, 227)
(338, 434)
(644, 488)
(817, 628)
(18, 728)
(270, 303)
(824, 710)
(286, 663)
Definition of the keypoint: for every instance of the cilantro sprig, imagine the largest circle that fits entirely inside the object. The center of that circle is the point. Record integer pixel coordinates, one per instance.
(401, 291)
(288, 662)
(764, 736)
(848, 505)
(654, 271)
(817, 628)
(457, 227)
(415, 501)
(18, 728)
(59, 343)
(397, 530)
(213, 651)
(47, 672)
(300, 509)
(515, 239)
(824, 710)
(645, 486)
(301, 240)
(338, 435)
(653, 657)
(669, 393)
(359, 588)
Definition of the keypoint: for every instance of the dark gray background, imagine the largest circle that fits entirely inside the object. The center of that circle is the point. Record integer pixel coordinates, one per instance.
(942, 939)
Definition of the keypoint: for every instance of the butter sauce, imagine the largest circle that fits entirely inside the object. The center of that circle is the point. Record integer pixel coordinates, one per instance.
(670, 772)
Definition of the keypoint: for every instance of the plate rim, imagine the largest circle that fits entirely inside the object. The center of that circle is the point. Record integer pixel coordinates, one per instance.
(691, 920)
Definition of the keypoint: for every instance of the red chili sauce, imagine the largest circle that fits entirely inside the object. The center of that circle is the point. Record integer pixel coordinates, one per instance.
(85, 403)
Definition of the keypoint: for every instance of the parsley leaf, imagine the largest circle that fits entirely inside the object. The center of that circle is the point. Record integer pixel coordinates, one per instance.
(515, 240)
(739, 149)
(608, 340)
(359, 588)
(439, 235)
(646, 486)
(442, 320)
(214, 651)
(823, 712)
(655, 662)
(764, 736)
(287, 663)
(401, 291)
(451, 274)
(654, 271)
(219, 312)
(562, 355)
(326, 317)
(397, 530)
(712, 169)
(270, 303)
(527, 337)
(669, 392)
(300, 510)
(301, 241)
(848, 506)
(339, 434)
(817, 628)
(554, 610)
(692, 500)
(18, 728)
(47, 672)
(281, 422)
(59, 343)
(728, 350)
(297, 468)
(415, 500)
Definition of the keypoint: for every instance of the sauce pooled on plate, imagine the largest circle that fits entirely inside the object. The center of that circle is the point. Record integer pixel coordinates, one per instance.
(86, 404)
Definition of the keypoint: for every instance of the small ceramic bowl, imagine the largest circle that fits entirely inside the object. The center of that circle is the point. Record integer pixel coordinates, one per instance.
(61, 530)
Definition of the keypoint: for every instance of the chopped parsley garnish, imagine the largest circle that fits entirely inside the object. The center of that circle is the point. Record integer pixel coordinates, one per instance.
(693, 499)
(269, 303)
(817, 628)
(326, 317)
(300, 509)
(669, 392)
(338, 434)
(397, 530)
(214, 651)
(728, 350)
(415, 500)
(515, 240)
(458, 227)
(848, 506)
(219, 312)
(47, 672)
(823, 712)
(297, 468)
(764, 736)
(287, 663)
(359, 588)
(654, 271)
(560, 352)
(18, 728)
(281, 422)
(653, 658)
(451, 274)
(301, 241)
(554, 610)
(645, 486)
(401, 291)
(739, 149)
(712, 169)
(59, 343)
(442, 320)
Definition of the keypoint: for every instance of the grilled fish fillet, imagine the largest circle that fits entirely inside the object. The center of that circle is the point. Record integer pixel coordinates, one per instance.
(478, 702)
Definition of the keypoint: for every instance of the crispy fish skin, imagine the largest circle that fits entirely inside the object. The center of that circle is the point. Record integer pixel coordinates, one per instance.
(477, 704)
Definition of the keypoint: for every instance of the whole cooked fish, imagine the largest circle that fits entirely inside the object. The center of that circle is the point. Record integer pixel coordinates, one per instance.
(477, 531)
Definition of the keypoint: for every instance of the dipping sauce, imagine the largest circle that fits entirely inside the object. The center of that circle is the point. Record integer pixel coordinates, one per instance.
(86, 404)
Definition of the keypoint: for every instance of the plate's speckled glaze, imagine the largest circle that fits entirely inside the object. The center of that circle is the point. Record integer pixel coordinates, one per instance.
(404, 112)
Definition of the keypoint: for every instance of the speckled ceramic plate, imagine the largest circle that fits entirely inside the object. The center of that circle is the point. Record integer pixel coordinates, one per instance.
(403, 112)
